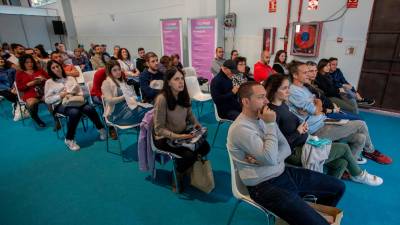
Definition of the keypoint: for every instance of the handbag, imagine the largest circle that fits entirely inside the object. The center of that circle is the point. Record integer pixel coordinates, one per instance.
(73, 100)
(202, 176)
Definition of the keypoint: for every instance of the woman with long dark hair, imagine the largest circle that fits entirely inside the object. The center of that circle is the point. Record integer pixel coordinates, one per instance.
(121, 105)
(280, 65)
(296, 132)
(336, 95)
(172, 118)
(30, 83)
(60, 87)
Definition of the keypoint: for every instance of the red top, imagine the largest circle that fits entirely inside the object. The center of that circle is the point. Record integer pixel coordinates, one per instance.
(98, 79)
(262, 71)
(22, 78)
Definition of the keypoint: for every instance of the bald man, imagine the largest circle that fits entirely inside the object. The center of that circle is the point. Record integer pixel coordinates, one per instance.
(261, 69)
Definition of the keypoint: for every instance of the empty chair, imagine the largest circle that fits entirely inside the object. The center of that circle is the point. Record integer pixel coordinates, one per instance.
(195, 92)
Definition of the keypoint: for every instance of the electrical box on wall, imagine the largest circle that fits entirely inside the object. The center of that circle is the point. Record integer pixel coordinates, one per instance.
(230, 20)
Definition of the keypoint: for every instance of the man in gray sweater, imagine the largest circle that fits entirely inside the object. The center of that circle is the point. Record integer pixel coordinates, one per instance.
(259, 149)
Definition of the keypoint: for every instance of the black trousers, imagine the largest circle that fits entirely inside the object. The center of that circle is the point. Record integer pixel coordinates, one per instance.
(74, 116)
(7, 94)
(189, 157)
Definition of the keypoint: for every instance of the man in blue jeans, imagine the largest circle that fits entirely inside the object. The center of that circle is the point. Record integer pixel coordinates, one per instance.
(259, 149)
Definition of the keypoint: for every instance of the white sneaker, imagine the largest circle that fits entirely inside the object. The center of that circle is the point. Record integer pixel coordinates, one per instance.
(103, 134)
(71, 144)
(361, 160)
(366, 178)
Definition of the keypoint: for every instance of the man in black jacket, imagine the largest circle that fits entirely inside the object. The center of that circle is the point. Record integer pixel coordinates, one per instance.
(224, 93)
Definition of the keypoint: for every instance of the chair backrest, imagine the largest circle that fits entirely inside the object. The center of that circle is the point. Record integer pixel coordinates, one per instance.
(216, 113)
(239, 190)
(80, 79)
(88, 76)
(89, 86)
(193, 86)
(190, 71)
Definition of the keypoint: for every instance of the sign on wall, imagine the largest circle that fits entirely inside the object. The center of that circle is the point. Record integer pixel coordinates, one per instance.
(272, 6)
(202, 39)
(171, 37)
(352, 4)
(312, 5)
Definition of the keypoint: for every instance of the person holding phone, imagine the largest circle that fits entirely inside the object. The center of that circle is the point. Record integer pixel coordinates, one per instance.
(172, 117)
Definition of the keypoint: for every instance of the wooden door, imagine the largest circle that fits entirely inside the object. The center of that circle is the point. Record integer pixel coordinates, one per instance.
(380, 73)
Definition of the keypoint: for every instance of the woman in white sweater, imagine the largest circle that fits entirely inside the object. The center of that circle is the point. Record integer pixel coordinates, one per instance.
(129, 69)
(57, 90)
(121, 105)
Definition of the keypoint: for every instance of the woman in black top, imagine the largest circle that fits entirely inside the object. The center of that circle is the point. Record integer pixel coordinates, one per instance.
(336, 95)
(280, 65)
(340, 157)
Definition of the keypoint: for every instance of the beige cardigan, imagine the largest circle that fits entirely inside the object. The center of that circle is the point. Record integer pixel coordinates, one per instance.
(110, 95)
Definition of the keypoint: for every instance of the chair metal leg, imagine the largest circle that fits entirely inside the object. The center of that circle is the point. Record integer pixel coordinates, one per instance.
(108, 136)
(83, 124)
(175, 176)
(216, 133)
(233, 211)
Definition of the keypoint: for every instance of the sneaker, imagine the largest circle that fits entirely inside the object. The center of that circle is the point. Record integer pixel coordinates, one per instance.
(71, 144)
(366, 178)
(378, 157)
(366, 101)
(361, 160)
(103, 134)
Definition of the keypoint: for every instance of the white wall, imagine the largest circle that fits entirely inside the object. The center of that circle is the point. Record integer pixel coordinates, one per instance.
(353, 28)
(136, 22)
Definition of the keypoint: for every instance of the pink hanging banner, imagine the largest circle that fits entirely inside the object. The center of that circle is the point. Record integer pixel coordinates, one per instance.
(202, 44)
(171, 37)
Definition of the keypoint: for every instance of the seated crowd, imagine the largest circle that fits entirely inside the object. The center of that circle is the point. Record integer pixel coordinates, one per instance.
(276, 112)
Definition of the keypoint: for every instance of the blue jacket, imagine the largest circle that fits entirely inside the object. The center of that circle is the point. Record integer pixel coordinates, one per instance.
(301, 99)
(7, 78)
(338, 78)
(148, 93)
(222, 95)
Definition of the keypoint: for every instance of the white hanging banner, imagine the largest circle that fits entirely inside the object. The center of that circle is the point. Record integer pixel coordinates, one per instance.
(202, 39)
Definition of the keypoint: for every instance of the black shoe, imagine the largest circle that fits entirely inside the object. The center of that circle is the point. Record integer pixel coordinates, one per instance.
(366, 101)
(57, 126)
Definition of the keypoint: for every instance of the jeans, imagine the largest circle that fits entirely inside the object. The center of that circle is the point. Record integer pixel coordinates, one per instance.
(189, 157)
(354, 132)
(74, 116)
(344, 115)
(283, 195)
